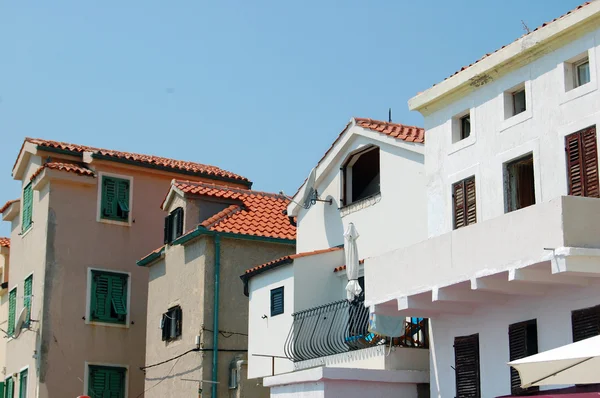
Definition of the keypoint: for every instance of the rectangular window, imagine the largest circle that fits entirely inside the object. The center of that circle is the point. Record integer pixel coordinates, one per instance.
(361, 178)
(519, 102)
(173, 225)
(519, 182)
(108, 301)
(522, 342)
(172, 321)
(465, 126)
(23, 384)
(464, 203)
(115, 199)
(582, 72)
(582, 163)
(12, 311)
(28, 296)
(27, 207)
(585, 323)
(106, 381)
(9, 388)
(277, 301)
(466, 366)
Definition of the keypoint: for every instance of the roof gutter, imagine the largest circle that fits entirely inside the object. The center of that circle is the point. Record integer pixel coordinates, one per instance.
(246, 277)
(150, 258)
(200, 230)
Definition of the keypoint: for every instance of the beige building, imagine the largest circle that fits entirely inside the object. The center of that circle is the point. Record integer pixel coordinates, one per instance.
(212, 234)
(84, 216)
(4, 261)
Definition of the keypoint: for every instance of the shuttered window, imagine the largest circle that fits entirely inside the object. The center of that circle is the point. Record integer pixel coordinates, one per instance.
(585, 323)
(23, 384)
(106, 382)
(582, 163)
(108, 297)
(27, 207)
(171, 323)
(9, 388)
(464, 203)
(115, 199)
(522, 342)
(466, 366)
(12, 311)
(173, 225)
(277, 301)
(27, 296)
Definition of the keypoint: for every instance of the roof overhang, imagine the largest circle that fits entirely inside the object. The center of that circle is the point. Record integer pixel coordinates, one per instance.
(12, 211)
(46, 175)
(521, 52)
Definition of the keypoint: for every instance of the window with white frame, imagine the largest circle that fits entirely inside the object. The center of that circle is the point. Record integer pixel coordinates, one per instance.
(361, 178)
(461, 127)
(577, 71)
(515, 101)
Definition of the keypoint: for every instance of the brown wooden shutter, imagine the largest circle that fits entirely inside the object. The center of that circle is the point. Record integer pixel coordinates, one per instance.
(585, 323)
(466, 366)
(522, 342)
(471, 202)
(582, 163)
(458, 197)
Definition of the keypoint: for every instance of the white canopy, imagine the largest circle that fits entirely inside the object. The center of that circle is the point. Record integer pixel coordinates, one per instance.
(575, 363)
(351, 251)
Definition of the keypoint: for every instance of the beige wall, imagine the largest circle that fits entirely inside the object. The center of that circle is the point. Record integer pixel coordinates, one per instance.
(4, 261)
(186, 277)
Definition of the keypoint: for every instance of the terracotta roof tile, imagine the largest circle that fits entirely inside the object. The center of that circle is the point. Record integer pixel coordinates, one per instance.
(7, 205)
(286, 260)
(171, 164)
(535, 30)
(394, 130)
(257, 213)
(62, 166)
(4, 242)
(343, 267)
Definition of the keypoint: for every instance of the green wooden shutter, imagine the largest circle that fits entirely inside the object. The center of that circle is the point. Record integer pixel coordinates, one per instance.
(27, 207)
(118, 293)
(106, 382)
(10, 388)
(108, 297)
(12, 309)
(123, 199)
(100, 309)
(23, 384)
(109, 197)
(27, 291)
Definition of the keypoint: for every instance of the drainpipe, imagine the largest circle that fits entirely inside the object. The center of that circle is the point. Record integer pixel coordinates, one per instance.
(216, 315)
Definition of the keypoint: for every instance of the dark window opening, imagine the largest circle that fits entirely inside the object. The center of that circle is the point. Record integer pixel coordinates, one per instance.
(171, 323)
(277, 305)
(522, 342)
(173, 225)
(466, 366)
(582, 72)
(465, 126)
(361, 176)
(520, 186)
(519, 102)
(585, 323)
(464, 201)
(582, 163)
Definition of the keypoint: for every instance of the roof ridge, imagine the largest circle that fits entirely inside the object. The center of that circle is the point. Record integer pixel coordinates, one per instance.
(218, 217)
(7, 204)
(228, 188)
(388, 123)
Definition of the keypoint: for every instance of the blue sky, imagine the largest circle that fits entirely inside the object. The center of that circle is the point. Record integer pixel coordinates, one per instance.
(260, 88)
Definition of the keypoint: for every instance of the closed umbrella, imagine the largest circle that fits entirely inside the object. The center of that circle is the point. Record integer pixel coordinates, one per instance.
(575, 363)
(351, 251)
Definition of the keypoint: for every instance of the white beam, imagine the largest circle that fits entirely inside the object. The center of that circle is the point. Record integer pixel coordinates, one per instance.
(390, 308)
(543, 276)
(466, 296)
(427, 307)
(504, 287)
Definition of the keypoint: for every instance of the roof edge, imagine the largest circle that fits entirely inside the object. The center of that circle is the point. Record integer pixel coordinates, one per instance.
(151, 258)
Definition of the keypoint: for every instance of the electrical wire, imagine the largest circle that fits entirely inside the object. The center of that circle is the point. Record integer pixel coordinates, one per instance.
(142, 368)
(226, 333)
(166, 377)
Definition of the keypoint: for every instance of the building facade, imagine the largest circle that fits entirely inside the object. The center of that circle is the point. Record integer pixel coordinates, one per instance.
(511, 264)
(77, 300)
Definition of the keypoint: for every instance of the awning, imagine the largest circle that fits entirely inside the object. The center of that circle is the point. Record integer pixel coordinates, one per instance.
(576, 363)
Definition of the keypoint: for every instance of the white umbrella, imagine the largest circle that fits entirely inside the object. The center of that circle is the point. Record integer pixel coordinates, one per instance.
(351, 251)
(575, 363)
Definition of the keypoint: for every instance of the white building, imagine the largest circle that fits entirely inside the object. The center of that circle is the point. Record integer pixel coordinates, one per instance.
(305, 338)
(512, 261)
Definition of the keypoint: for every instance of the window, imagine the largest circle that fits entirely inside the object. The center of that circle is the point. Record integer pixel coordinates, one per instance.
(466, 366)
(582, 72)
(522, 342)
(27, 296)
(519, 183)
(115, 199)
(461, 126)
(12, 311)
(465, 126)
(577, 71)
(108, 297)
(361, 176)
(582, 163)
(173, 225)
(277, 301)
(519, 102)
(9, 388)
(171, 324)
(585, 323)
(464, 203)
(106, 381)
(23, 384)
(27, 207)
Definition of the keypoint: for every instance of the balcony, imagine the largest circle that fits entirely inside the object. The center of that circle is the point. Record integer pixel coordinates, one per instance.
(320, 335)
(526, 252)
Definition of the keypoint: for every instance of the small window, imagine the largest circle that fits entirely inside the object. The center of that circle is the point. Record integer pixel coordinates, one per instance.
(171, 323)
(12, 312)
(461, 127)
(109, 297)
(9, 387)
(106, 381)
(173, 225)
(582, 163)
(466, 366)
(23, 384)
(361, 176)
(27, 207)
(464, 201)
(577, 71)
(522, 342)
(519, 102)
(519, 183)
(582, 72)
(28, 296)
(277, 304)
(115, 199)
(465, 126)
(585, 323)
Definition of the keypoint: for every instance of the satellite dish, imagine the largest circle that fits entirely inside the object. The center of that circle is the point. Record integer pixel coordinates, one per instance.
(20, 322)
(310, 193)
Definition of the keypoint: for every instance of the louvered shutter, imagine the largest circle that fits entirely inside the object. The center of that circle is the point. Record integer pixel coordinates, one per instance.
(12, 310)
(179, 320)
(23, 383)
(167, 230)
(100, 293)
(471, 202)
(123, 199)
(118, 295)
(521, 345)
(179, 222)
(165, 326)
(106, 382)
(585, 323)
(27, 292)
(466, 365)
(27, 207)
(458, 197)
(109, 197)
(590, 162)
(277, 301)
(582, 163)
(10, 388)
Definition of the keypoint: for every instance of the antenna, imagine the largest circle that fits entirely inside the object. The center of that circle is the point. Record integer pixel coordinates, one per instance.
(20, 322)
(525, 27)
(390, 115)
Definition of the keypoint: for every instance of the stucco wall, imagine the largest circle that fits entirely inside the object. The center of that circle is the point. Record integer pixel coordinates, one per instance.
(551, 114)
(4, 265)
(395, 218)
(553, 314)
